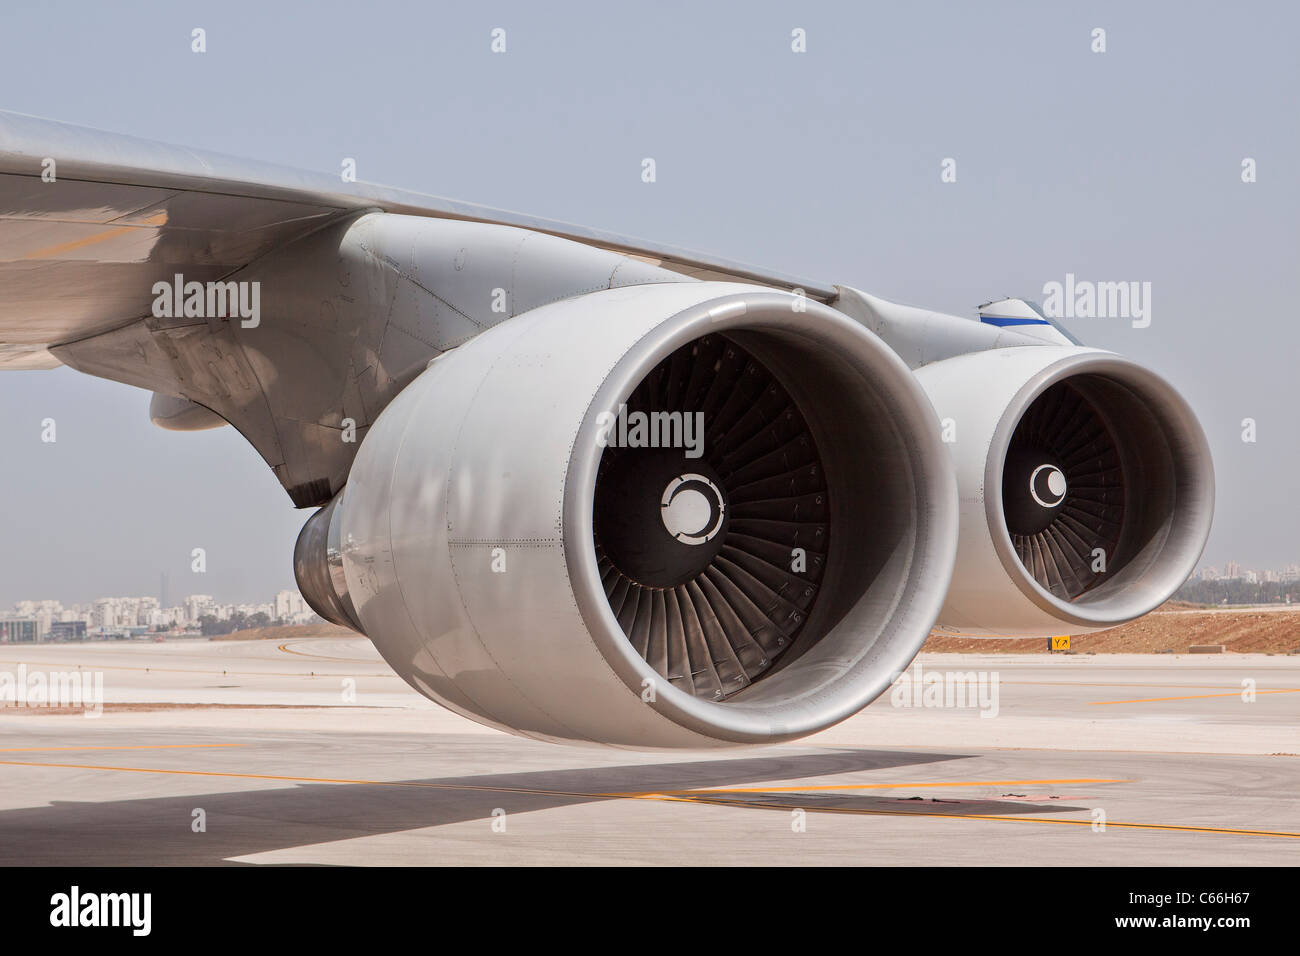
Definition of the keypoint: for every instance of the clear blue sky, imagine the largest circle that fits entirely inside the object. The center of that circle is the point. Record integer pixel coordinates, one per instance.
(1115, 166)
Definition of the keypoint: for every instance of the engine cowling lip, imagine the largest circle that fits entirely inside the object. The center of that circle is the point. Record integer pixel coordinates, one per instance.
(318, 567)
(736, 722)
(1173, 407)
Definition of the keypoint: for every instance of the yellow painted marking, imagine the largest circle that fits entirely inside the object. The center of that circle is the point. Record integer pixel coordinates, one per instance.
(50, 251)
(317, 657)
(880, 786)
(1003, 819)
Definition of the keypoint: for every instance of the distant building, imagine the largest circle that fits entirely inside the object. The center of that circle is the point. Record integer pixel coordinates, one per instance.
(68, 631)
(197, 605)
(20, 630)
(143, 611)
(290, 606)
(105, 613)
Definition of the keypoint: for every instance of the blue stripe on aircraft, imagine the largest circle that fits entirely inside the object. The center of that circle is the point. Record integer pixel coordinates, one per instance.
(1004, 320)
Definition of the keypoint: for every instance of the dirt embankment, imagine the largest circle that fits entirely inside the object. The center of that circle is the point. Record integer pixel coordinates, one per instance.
(285, 632)
(1173, 627)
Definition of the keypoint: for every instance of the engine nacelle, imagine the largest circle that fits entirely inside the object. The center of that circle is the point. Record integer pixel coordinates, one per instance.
(671, 515)
(1086, 488)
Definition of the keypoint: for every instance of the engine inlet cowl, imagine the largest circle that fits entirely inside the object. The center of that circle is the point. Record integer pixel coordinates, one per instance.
(673, 515)
(1086, 485)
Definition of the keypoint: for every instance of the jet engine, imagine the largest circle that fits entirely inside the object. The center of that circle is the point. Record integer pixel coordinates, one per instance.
(1086, 489)
(671, 515)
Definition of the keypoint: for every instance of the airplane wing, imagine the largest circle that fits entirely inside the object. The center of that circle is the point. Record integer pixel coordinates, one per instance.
(89, 220)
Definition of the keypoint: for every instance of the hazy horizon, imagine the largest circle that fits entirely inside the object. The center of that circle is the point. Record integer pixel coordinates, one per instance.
(1123, 165)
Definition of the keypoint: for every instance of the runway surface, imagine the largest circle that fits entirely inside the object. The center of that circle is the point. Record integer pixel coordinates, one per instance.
(312, 752)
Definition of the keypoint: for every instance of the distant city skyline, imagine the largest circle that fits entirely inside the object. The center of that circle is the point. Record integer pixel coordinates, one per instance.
(1235, 570)
(139, 593)
(133, 613)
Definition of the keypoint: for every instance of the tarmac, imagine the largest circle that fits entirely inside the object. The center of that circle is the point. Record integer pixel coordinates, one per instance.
(313, 752)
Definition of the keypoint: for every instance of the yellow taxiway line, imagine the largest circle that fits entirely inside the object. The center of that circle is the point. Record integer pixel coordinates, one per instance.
(1000, 819)
(879, 786)
(318, 657)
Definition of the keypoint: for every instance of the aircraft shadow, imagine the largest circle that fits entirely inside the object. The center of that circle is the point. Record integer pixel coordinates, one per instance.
(157, 830)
